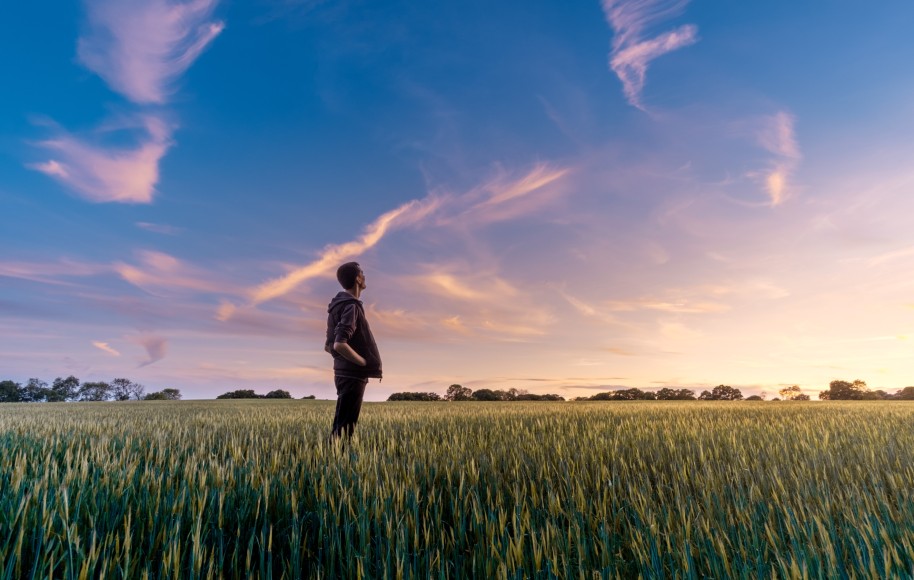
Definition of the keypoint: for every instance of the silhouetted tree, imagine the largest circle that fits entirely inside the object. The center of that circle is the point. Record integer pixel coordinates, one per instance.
(124, 389)
(721, 393)
(459, 393)
(532, 397)
(667, 394)
(755, 398)
(309, 397)
(485, 395)
(35, 390)
(633, 394)
(844, 391)
(278, 394)
(905, 394)
(791, 393)
(412, 396)
(10, 392)
(95, 391)
(164, 395)
(64, 389)
(240, 394)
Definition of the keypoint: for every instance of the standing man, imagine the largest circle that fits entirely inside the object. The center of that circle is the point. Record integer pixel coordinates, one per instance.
(355, 353)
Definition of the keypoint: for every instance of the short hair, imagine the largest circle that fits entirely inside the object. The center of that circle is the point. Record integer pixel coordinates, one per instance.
(347, 273)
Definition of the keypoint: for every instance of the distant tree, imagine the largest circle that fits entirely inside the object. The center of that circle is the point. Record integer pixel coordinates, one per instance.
(95, 391)
(240, 394)
(309, 397)
(633, 394)
(607, 396)
(459, 393)
(164, 395)
(64, 389)
(10, 392)
(791, 393)
(547, 397)
(413, 396)
(124, 389)
(35, 390)
(877, 395)
(515, 394)
(755, 398)
(667, 394)
(278, 394)
(485, 395)
(844, 391)
(801, 397)
(905, 394)
(721, 393)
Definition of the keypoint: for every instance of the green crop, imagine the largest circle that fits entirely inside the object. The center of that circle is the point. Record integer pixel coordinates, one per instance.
(236, 489)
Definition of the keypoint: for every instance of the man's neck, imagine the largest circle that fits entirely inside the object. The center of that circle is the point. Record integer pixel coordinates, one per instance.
(355, 292)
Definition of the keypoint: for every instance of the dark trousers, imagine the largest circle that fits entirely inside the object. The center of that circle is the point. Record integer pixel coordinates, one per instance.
(349, 394)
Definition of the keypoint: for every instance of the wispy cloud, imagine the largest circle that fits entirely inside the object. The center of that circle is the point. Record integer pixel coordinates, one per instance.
(105, 347)
(333, 255)
(631, 51)
(50, 272)
(156, 348)
(141, 47)
(109, 174)
(160, 271)
(508, 196)
(159, 228)
(777, 136)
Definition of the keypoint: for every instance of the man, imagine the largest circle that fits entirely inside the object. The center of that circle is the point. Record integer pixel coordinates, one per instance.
(355, 353)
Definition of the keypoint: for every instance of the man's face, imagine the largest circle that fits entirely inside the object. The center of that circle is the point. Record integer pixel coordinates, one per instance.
(360, 280)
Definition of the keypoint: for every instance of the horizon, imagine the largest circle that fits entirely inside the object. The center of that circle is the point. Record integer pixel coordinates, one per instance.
(558, 198)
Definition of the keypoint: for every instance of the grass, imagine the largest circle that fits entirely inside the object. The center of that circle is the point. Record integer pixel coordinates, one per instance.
(446, 490)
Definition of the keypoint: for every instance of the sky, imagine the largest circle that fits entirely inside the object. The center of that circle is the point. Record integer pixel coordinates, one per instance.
(562, 197)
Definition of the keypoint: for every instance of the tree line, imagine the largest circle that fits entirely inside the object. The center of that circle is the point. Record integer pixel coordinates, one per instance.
(71, 389)
(250, 394)
(461, 393)
(838, 390)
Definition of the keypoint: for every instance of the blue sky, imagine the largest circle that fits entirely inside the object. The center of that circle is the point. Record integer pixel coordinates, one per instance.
(562, 197)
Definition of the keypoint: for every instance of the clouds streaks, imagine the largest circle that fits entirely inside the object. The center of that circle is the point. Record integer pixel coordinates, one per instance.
(109, 174)
(476, 207)
(631, 51)
(778, 137)
(141, 47)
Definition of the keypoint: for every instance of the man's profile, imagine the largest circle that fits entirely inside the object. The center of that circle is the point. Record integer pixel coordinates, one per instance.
(350, 342)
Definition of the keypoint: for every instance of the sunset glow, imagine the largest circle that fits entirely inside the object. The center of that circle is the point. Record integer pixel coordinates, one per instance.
(564, 197)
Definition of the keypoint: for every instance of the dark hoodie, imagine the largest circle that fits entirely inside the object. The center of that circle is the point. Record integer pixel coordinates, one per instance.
(346, 322)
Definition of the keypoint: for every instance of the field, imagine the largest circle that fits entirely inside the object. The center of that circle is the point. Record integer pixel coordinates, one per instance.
(436, 490)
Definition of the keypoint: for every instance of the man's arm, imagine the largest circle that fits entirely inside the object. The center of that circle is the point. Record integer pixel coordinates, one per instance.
(349, 353)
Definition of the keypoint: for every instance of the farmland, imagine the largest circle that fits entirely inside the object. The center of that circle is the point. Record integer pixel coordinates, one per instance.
(495, 490)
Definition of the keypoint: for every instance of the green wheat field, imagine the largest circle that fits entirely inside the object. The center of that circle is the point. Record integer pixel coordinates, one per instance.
(238, 489)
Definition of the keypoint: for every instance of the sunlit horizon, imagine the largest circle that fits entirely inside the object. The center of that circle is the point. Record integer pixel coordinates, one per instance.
(559, 198)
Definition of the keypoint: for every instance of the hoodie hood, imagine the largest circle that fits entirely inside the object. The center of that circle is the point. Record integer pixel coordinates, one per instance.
(340, 299)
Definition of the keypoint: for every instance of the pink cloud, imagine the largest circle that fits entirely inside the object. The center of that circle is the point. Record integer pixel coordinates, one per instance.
(141, 47)
(159, 228)
(103, 346)
(508, 196)
(158, 271)
(156, 348)
(631, 52)
(333, 255)
(777, 136)
(50, 272)
(109, 174)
